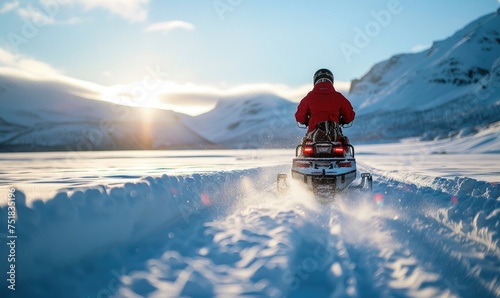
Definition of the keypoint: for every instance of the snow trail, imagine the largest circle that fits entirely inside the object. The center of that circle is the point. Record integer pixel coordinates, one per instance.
(230, 234)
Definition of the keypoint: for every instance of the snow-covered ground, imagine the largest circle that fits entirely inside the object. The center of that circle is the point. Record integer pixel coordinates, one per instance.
(42, 175)
(209, 223)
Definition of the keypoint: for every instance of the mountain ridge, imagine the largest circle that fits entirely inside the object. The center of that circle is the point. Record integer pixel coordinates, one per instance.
(34, 119)
(446, 91)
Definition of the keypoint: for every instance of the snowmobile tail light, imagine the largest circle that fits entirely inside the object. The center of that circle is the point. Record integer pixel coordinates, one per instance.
(308, 150)
(338, 151)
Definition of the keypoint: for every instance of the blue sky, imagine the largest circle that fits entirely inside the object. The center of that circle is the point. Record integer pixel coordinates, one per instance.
(221, 43)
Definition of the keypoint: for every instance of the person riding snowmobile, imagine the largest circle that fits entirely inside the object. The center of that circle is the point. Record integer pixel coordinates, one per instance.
(324, 105)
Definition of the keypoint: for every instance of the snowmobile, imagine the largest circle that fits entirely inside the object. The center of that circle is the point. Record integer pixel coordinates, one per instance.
(325, 163)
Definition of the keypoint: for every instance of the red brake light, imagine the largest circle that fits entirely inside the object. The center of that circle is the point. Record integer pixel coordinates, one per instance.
(307, 150)
(338, 150)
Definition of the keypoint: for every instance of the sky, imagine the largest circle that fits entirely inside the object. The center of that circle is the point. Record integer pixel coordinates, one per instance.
(204, 50)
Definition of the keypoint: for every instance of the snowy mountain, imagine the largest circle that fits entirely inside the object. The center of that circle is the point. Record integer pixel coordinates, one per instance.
(252, 121)
(450, 90)
(435, 93)
(45, 115)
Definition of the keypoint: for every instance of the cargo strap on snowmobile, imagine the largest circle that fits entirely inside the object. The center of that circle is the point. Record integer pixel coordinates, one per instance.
(326, 131)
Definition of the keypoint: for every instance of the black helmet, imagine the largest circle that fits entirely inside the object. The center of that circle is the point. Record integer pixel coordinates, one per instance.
(323, 75)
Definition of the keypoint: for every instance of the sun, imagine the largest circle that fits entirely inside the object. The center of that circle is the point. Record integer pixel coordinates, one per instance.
(131, 96)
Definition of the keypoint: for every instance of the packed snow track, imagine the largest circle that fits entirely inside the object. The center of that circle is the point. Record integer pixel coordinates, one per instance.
(230, 234)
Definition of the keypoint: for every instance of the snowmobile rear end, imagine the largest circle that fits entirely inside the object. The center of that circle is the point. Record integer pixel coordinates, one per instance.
(326, 168)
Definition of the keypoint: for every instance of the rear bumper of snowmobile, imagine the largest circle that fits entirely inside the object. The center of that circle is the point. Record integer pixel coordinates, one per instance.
(324, 174)
(326, 168)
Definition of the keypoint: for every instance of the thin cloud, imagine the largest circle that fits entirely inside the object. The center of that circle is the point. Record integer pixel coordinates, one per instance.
(421, 47)
(36, 66)
(191, 99)
(70, 21)
(27, 64)
(7, 57)
(62, 83)
(342, 86)
(35, 15)
(195, 99)
(166, 27)
(132, 10)
(40, 18)
(9, 6)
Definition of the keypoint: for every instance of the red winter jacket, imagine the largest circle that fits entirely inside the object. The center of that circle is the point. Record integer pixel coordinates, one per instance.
(324, 103)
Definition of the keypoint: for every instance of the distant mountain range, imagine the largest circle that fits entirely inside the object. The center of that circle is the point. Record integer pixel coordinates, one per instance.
(39, 116)
(451, 89)
(255, 121)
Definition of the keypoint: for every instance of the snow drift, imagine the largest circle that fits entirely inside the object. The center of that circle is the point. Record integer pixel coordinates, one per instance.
(191, 235)
(60, 231)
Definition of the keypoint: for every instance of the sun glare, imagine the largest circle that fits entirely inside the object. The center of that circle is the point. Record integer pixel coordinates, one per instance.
(191, 110)
(131, 96)
(192, 99)
(147, 125)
